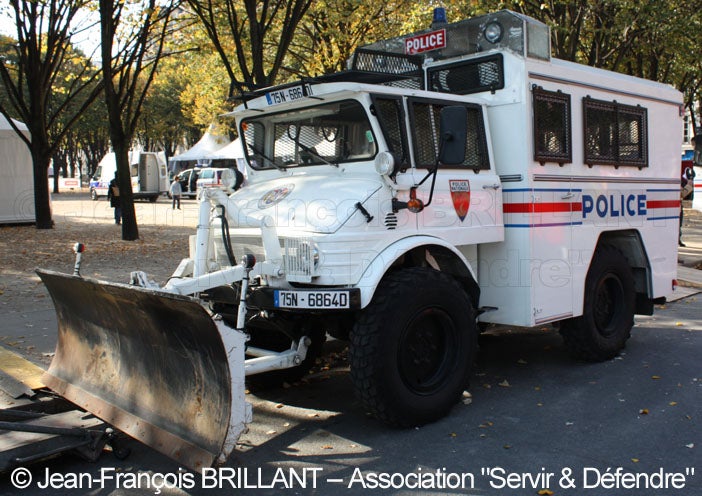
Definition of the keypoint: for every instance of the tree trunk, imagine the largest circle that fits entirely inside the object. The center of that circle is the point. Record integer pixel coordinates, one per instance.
(42, 203)
(130, 230)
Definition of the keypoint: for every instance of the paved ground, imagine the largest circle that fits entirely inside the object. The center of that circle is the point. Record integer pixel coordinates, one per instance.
(531, 412)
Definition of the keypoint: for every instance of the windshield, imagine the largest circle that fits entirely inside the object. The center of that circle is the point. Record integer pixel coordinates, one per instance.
(327, 134)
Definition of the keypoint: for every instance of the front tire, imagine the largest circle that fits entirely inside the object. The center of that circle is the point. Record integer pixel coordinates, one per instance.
(412, 348)
(601, 332)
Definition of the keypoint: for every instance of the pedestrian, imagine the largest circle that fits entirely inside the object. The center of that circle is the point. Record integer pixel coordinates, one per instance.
(192, 185)
(176, 190)
(114, 198)
(687, 182)
(686, 188)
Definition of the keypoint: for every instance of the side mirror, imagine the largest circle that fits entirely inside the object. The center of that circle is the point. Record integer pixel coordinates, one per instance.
(453, 129)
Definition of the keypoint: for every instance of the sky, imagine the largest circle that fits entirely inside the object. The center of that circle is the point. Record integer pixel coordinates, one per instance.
(7, 24)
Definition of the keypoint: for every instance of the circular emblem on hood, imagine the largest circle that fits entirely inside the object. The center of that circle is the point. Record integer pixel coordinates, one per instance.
(275, 195)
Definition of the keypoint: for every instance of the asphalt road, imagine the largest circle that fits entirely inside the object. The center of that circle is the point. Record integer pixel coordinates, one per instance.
(535, 421)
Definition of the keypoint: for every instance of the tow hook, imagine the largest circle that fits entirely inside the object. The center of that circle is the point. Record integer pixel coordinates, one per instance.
(302, 348)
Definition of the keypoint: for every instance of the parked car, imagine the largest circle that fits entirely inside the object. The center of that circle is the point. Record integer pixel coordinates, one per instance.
(188, 182)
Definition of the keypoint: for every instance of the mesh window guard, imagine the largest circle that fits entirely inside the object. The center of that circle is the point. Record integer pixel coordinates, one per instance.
(424, 116)
(484, 74)
(392, 121)
(408, 66)
(552, 130)
(615, 134)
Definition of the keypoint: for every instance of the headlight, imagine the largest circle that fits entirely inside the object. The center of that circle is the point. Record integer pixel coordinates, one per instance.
(301, 259)
(493, 32)
(229, 179)
(309, 254)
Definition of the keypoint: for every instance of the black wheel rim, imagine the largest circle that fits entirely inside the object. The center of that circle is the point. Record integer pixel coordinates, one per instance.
(427, 351)
(609, 305)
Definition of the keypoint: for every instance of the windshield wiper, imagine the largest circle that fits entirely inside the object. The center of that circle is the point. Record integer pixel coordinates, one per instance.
(314, 153)
(267, 158)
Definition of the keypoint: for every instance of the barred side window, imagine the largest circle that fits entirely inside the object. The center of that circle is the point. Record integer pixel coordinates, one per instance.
(424, 119)
(552, 129)
(392, 121)
(615, 134)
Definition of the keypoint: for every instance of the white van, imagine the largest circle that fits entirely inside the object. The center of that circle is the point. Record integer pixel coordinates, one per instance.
(148, 171)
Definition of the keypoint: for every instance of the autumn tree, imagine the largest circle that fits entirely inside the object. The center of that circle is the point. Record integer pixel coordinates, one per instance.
(332, 30)
(130, 58)
(251, 37)
(68, 158)
(30, 82)
(653, 39)
(92, 137)
(189, 90)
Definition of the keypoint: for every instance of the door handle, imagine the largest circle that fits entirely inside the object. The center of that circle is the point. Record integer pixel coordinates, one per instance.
(568, 196)
(491, 186)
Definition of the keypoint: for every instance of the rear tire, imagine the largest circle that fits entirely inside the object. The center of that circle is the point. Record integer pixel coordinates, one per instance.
(412, 348)
(601, 332)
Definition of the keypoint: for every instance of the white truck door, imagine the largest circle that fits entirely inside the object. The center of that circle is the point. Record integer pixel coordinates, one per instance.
(466, 207)
(554, 208)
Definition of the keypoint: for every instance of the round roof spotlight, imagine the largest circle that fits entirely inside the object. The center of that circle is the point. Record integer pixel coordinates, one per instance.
(385, 164)
(493, 31)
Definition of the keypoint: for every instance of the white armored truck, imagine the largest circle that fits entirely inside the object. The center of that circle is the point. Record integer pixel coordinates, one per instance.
(450, 178)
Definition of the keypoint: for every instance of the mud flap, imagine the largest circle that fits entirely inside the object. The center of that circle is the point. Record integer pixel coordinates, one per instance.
(153, 364)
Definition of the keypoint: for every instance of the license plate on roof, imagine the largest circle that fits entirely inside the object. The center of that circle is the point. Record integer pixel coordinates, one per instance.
(285, 95)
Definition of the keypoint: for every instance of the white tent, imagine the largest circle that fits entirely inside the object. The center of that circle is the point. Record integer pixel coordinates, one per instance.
(208, 144)
(16, 175)
(231, 154)
(233, 150)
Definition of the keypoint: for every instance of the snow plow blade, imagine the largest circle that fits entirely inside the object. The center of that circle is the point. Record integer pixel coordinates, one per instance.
(151, 363)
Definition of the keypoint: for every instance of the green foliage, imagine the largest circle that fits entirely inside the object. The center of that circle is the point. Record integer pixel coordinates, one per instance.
(47, 84)
(332, 30)
(219, 44)
(252, 37)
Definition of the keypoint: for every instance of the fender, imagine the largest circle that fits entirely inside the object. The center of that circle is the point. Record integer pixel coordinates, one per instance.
(377, 269)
